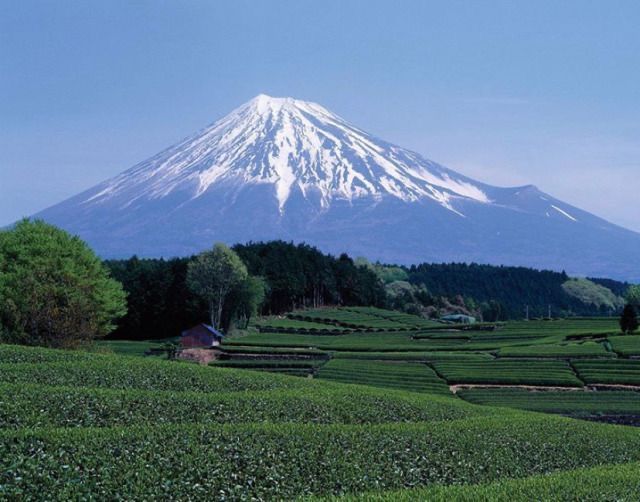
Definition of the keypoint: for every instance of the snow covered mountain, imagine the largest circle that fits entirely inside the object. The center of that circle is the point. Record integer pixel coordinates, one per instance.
(290, 169)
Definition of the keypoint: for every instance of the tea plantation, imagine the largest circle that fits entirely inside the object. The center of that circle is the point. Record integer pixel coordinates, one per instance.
(358, 403)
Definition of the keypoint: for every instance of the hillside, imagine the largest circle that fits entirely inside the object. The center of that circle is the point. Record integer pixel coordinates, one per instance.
(83, 424)
(313, 437)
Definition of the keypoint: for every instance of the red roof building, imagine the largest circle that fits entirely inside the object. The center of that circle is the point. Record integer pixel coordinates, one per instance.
(200, 336)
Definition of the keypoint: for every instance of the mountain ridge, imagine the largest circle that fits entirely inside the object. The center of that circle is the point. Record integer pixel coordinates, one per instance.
(286, 168)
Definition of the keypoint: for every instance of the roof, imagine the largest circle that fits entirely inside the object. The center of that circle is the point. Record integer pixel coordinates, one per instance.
(203, 328)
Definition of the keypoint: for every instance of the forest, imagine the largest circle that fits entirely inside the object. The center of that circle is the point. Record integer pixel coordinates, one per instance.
(160, 303)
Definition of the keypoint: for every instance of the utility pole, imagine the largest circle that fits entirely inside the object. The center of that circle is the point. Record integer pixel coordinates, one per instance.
(549, 316)
(526, 309)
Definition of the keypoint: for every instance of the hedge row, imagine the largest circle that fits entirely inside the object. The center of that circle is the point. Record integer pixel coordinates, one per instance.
(567, 402)
(44, 406)
(141, 373)
(287, 461)
(511, 372)
(610, 482)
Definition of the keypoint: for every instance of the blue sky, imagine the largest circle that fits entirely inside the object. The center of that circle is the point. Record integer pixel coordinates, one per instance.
(506, 92)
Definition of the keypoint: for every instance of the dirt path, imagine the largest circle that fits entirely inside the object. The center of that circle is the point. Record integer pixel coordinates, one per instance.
(613, 386)
(456, 387)
(541, 388)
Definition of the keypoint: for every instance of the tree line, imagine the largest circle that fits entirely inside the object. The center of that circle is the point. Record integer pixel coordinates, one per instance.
(166, 296)
(509, 290)
(55, 291)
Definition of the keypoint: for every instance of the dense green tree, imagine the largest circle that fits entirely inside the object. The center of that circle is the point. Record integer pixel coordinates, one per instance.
(300, 276)
(212, 275)
(632, 295)
(54, 291)
(628, 320)
(513, 288)
(244, 301)
(160, 305)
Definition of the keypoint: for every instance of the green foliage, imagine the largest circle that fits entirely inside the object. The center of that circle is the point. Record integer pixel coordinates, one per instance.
(610, 482)
(79, 425)
(135, 373)
(590, 293)
(28, 405)
(504, 371)
(54, 291)
(632, 295)
(614, 372)
(159, 303)
(626, 346)
(126, 347)
(213, 275)
(504, 291)
(301, 276)
(628, 319)
(386, 273)
(413, 356)
(414, 377)
(565, 402)
(245, 300)
(20, 354)
(285, 461)
(565, 350)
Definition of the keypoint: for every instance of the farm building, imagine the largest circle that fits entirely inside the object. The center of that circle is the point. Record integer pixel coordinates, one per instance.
(458, 318)
(200, 336)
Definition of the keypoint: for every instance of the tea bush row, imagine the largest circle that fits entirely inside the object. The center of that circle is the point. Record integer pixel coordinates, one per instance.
(508, 372)
(610, 482)
(139, 373)
(28, 405)
(414, 377)
(284, 461)
(567, 402)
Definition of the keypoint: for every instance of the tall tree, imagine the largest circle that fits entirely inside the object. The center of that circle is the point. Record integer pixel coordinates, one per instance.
(213, 275)
(54, 290)
(632, 295)
(628, 319)
(245, 301)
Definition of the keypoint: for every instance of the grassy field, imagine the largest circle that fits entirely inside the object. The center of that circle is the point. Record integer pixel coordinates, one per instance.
(376, 422)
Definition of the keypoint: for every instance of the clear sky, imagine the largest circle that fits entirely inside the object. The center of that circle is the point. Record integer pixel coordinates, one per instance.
(508, 92)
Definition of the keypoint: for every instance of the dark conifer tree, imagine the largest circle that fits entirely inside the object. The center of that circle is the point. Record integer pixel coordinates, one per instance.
(629, 320)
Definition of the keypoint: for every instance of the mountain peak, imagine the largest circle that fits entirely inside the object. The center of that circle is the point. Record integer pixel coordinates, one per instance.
(264, 104)
(294, 146)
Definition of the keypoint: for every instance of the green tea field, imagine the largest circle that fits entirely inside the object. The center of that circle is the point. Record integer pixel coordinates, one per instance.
(361, 404)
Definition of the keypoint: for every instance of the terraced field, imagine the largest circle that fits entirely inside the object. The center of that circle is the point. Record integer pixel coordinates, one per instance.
(628, 346)
(113, 425)
(614, 372)
(376, 422)
(564, 402)
(414, 377)
(508, 372)
(564, 350)
(564, 353)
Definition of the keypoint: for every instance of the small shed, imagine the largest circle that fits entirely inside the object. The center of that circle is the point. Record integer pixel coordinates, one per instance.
(458, 319)
(200, 336)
